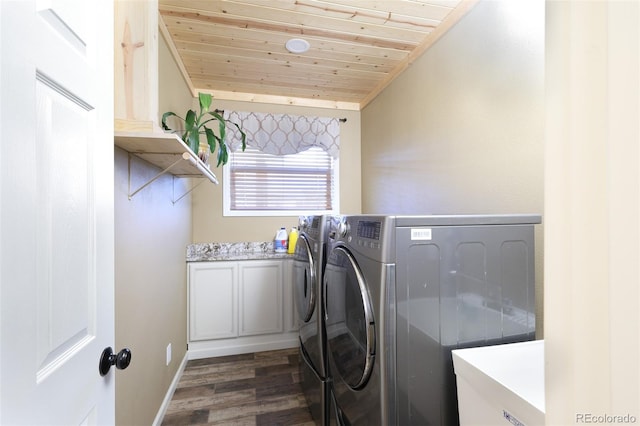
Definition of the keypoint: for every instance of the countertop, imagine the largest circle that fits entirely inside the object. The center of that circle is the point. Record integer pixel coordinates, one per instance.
(206, 252)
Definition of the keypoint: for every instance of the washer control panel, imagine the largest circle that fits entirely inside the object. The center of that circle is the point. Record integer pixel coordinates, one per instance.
(368, 234)
(369, 229)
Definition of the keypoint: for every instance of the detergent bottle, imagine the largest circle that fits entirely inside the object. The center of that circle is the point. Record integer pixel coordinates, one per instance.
(280, 242)
(293, 239)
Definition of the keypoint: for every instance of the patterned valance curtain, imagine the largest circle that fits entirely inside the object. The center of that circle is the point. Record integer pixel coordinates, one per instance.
(282, 134)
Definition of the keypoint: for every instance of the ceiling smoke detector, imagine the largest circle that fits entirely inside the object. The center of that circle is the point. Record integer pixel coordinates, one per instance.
(297, 45)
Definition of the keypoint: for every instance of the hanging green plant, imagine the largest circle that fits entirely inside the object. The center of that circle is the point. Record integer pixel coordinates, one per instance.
(196, 124)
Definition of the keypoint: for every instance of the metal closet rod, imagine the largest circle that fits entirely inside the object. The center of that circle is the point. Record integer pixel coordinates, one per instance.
(221, 111)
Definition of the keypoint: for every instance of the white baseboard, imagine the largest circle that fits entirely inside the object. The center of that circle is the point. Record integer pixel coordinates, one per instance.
(213, 348)
(172, 388)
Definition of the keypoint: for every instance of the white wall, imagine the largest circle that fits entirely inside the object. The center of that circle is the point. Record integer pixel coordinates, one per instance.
(592, 211)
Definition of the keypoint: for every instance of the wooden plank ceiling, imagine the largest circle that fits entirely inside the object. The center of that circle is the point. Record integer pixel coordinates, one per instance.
(235, 49)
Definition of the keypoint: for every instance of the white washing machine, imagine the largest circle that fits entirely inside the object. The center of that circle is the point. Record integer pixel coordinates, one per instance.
(308, 268)
(403, 291)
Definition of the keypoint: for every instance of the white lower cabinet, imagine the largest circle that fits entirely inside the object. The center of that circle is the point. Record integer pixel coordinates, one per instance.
(260, 288)
(213, 300)
(239, 307)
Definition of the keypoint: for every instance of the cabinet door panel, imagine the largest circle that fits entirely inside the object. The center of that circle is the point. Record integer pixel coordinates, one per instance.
(212, 301)
(290, 310)
(261, 297)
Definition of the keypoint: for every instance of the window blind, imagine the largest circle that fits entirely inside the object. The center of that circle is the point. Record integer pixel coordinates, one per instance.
(304, 181)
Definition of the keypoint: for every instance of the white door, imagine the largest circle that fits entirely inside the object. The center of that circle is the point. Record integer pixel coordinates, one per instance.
(56, 211)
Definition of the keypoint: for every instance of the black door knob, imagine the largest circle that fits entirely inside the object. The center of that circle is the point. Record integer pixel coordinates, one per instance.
(121, 360)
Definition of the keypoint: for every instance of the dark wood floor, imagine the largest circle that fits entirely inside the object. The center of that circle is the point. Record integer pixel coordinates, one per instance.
(251, 389)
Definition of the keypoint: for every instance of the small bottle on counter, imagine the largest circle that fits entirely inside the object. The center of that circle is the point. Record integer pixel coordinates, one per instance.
(280, 242)
(293, 239)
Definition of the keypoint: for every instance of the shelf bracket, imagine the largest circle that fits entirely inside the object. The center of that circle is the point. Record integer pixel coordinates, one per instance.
(175, 200)
(153, 179)
(206, 174)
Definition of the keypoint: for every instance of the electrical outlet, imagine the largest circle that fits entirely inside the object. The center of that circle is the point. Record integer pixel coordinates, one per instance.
(168, 353)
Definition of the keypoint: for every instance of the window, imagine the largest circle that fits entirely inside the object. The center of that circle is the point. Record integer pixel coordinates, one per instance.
(259, 184)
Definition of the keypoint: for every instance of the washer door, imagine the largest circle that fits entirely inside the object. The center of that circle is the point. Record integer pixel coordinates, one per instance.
(304, 275)
(349, 319)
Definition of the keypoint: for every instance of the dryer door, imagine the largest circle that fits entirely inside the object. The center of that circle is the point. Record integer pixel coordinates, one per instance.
(349, 319)
(304, 279)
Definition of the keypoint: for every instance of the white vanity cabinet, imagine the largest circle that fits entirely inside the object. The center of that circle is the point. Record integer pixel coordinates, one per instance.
(240, 306)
